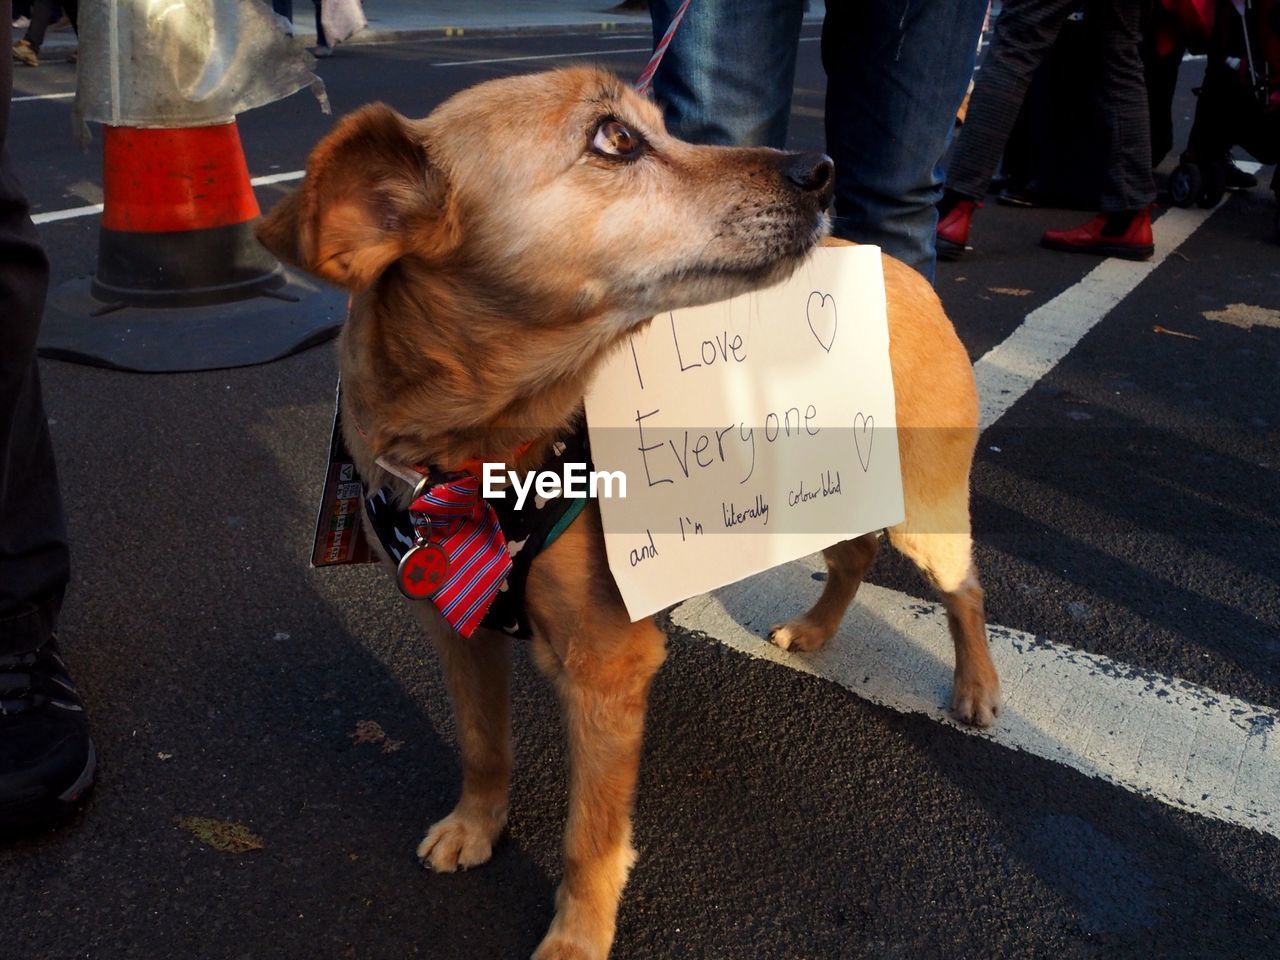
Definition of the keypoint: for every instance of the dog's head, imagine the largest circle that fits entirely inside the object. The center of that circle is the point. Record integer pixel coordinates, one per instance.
(561, 192)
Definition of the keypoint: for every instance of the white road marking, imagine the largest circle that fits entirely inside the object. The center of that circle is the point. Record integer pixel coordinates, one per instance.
(270, 178)
(43, 96)
(1182, 744)
(73, 212)
(1185, 745)
(544, 56)
(565, 56)
(69, 214)
(1014, 366)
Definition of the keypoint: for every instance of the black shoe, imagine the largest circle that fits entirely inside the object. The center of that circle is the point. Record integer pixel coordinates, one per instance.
(47, 760)
(1238, 179)
(1017, 195)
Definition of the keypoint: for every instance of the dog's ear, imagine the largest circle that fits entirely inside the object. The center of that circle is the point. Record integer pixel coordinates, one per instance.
(370, 195)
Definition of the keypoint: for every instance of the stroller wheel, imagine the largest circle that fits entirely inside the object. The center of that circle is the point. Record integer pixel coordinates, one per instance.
(1184, 184)
(1213, 185)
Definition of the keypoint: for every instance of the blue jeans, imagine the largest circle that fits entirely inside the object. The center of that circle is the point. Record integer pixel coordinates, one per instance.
(897, 71)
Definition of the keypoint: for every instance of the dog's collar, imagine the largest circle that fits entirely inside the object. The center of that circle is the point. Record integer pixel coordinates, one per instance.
(459, 558)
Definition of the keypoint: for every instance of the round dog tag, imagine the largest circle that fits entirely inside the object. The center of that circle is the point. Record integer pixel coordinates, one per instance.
(422, 570)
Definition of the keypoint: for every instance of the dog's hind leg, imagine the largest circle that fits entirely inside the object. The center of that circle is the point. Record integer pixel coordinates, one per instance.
(937, 538)
(847, 563)
(478, 674)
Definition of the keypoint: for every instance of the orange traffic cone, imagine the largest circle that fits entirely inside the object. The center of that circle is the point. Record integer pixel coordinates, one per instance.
(182, 283)
(177, 219)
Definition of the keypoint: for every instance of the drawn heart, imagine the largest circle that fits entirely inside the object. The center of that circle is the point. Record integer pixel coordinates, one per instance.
(821, 311)
(863, 434)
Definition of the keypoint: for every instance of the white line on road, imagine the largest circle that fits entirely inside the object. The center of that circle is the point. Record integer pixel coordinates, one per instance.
(1011, 368)
(87, 211)
(72, 213)
(91, 209)
(544, 56)
(565, 56)
(43, 96)
(267, 179)
(69, 214)
(1182, 744)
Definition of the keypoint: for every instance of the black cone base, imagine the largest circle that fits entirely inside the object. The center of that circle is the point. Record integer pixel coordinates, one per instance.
(83, 329)
(188, 268)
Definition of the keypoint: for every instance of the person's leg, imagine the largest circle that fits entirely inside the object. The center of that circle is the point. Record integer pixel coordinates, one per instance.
(897, 71)
(1023, 34)
(33, 552)
(1128, 185)
(1162, 82)
(322, 42)
(46, 760)
(727, 75)
(41, 16)
(1123, 229)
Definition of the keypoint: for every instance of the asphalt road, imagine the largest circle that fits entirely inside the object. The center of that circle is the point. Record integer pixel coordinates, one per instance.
(1125, 506)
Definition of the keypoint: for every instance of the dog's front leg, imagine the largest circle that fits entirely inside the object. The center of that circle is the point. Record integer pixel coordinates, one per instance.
(847, 563)
(478, 674)
(603, 678)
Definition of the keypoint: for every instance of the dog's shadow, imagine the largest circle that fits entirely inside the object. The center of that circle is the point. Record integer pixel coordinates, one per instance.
(1121, 869)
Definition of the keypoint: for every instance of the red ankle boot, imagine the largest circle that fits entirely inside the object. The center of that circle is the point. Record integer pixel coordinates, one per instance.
(953, 230)
(1133, 243)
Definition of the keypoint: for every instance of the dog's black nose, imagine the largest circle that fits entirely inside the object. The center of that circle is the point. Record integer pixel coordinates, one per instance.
(811, 172)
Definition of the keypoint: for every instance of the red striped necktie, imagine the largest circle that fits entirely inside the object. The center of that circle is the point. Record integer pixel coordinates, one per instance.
(460, 559)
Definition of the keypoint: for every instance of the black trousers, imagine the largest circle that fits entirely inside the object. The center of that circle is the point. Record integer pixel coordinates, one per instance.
(285, 9)
(42, 15)
(33, 545)
(1024, 32)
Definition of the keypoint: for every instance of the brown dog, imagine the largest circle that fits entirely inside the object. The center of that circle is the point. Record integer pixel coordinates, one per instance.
(495, 251)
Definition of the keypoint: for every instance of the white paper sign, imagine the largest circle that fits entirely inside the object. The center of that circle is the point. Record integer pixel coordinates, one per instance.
(751, 432)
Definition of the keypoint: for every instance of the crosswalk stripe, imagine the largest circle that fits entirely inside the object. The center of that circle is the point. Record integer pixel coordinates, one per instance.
(1182, 744)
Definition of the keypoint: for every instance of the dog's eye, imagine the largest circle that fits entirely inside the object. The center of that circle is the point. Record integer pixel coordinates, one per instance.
(615, 139)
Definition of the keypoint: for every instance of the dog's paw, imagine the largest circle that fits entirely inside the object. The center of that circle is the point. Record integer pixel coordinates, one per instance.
(557, 947)
(800, 634)
(460, 840)
(976, 700)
